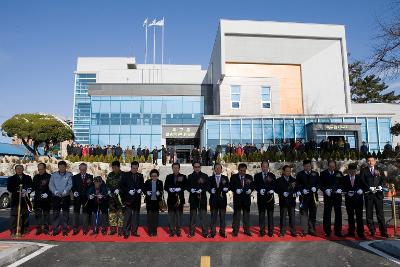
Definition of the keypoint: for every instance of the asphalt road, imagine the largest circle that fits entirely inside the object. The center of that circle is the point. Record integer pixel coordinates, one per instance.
(318, 253)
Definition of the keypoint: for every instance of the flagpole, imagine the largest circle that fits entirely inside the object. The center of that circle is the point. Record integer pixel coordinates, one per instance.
(162, 47)
(154, 50)
(145, 50)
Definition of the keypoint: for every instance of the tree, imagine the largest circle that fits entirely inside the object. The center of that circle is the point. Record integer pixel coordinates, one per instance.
(40, 128)
(395, 129)
(368, 88)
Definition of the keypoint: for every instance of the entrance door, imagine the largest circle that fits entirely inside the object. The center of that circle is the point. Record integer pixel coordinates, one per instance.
(183, 147)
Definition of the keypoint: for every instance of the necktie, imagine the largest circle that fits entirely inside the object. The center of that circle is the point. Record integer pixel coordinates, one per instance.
(352, 181)
(265, 177)
(218, 179)
(287, 179)
(242, 180)
(372, 171)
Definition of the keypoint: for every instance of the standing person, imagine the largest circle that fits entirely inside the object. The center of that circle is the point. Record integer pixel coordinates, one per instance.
(42, 199)
(197, 186)
(308, 184)
(286, 189)
(118, 151)
(153, 189)
(60, 186)
(139, 152)
(154, 154)
(353, 185)
(146, 153)
(373, 179)
(210, 156)
(241, 185)
(264, 184)
(219, 187)
(203, 156)
(98, 204)
(175, 184)
(331, 185)
(116, 212)
(80, 184)
(131, 190)
(164, 154)
(13, 186)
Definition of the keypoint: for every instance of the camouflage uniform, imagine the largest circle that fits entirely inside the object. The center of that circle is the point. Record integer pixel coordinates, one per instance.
(116, 213)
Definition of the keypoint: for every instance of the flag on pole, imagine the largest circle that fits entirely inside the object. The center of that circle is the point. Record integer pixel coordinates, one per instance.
(153, 23)
(145, 22)
(160, 22)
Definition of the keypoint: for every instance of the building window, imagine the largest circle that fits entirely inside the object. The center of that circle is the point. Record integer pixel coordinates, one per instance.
(266, 97)
(235, 96)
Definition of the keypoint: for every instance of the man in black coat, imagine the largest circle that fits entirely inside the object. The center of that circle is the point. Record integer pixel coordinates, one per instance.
(131, 187)
(241, 185)
(80, 184)
(198, 185)
(373, 182)
(219, 187)
(175, 184)
(42, 199)
(13, 186)
(164, 154)
(118, 151)
(308, 183)
(264, 184)
(154, 154)
(146, 153)
(286, 188)
(354, 188)
(331, 186)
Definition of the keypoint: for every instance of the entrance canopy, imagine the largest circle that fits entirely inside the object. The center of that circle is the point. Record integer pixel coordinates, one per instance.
(335, 131)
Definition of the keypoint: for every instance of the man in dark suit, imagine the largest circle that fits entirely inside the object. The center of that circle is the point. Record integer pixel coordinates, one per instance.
(131, 187)
(354, 188)
(264, 184)
(198, 185)
(175, 185)
(80, 184)
(331, 186)
(373, 181)
(307, 182)
(241, 185)
(219, 186)
(286, 189)
(13, 183)
(42, 199)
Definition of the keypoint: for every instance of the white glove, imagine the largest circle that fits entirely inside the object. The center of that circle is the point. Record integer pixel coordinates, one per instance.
(64, 193)
(350, 193)
(238, 191)
(139, 191)
(262, 192)
(57, 193)
(91, 196)
(33, 194)
(285, 194)
(109, 192)
(313, 189)
(225, 189)
(339, 191)
(372, 189)
(157, 193)
(193, 190)
(359, 191)
(199, 191)
(379, 188)
(178, 189)
(76, 194)
(298, 193)
(149, 193)
(328, 192)
(213, 190)
(116, 191)
(23, 191)
(271, 191)
(248, 191)
(172, 190)
(305, 191)
(44, 195)
(29, 190)
(131, 192)
(100, 196)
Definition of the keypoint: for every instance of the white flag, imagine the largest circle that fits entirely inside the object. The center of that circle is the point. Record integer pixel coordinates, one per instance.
(160, 22)
(145, 22)
(153, 23)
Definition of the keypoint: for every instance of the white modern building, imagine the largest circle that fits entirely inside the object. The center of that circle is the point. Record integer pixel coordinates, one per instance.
(266, 82)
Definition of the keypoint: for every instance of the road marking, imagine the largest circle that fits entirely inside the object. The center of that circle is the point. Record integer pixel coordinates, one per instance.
(205, 261)
(43, 248)
(367, 246)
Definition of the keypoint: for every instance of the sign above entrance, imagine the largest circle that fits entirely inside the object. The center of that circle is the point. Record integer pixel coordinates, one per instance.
(335, 126)
(179, 132)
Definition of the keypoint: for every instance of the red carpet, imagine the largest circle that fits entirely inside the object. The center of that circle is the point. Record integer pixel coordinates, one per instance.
(163, 237)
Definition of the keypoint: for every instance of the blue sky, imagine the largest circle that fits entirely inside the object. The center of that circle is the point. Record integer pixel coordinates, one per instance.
(40, 40)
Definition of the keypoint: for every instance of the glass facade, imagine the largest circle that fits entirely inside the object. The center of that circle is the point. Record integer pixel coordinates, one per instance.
(81, 121)
(374, 130)
(137, 120)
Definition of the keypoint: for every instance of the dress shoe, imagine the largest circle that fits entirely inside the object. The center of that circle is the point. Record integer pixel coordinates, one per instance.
(281, 234)
(126, 236)
(385, 235)
(85, 232)
(65, 233)
(75, 232)
(293, 234)
(46, 231)
(223, 235)
(327, 235)
(104, 231)
(212, 235)
(190, 235)
(135, 234)
(248, 233)
(339, 235)
(312, 233)
(350, 235)
(38, 231)
(262, 234)
(270, 234)
(234, 234)
(303, 234)
(361, 236)
(113, 230)
(171, 234)
(205, 235)
(178, 234)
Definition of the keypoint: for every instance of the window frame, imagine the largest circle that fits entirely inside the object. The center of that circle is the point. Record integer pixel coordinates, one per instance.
(265, 102)
(231, 94)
